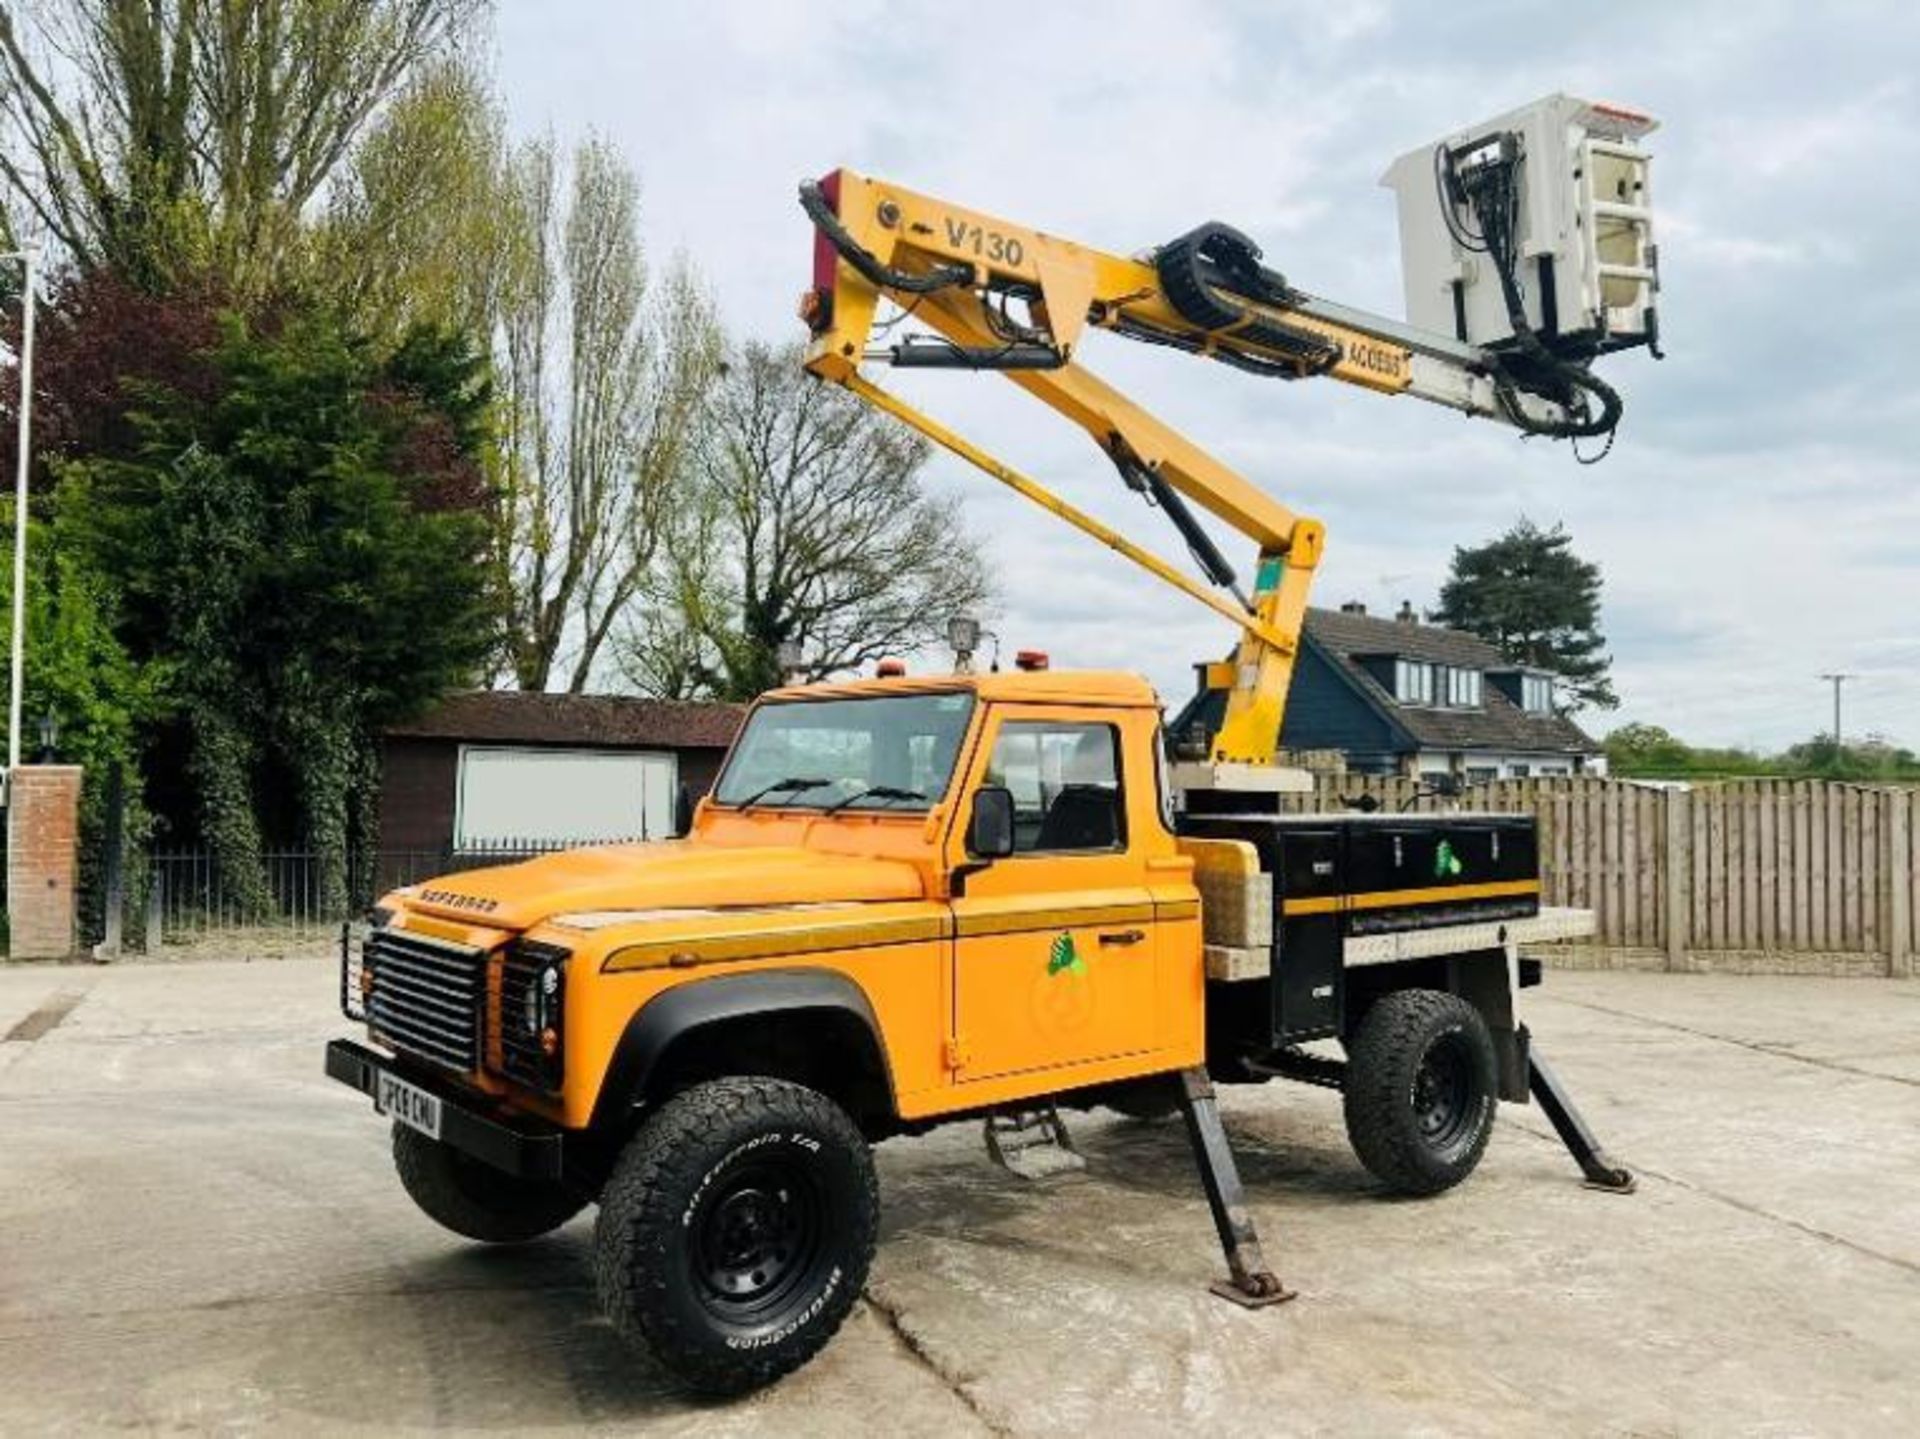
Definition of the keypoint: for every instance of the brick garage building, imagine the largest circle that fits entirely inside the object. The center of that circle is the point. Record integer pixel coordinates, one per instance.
(494, 769)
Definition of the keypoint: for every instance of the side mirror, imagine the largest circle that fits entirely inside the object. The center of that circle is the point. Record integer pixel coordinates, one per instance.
(990, 834)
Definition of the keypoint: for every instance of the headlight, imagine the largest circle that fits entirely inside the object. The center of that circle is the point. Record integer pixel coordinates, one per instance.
(540, 1008)
(356, 975)
(533, 988)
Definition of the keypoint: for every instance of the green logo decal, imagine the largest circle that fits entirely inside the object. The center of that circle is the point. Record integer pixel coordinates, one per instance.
(1064, 956)
(1446, 864)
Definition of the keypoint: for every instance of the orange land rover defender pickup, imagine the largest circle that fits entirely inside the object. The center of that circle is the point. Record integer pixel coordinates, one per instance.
(908, 901)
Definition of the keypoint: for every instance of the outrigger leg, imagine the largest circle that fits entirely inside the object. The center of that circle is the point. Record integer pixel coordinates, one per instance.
(1252, 1284)
(1594, 1162)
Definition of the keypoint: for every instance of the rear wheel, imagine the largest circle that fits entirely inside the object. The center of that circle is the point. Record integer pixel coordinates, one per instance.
(736, 1231)
(1420, 1090)
(474, 1199)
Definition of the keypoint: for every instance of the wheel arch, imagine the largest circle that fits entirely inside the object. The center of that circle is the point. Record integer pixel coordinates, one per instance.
(1484, 978)
(812, 1026)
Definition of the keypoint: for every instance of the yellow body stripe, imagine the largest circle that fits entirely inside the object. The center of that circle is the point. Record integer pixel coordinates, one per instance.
(1021, 921)
(1394, 898)
(857, 933)
(814, 939)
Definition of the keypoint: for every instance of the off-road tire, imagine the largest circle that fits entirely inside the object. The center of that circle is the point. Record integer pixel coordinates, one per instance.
(736, 1231)
(1420, 1090)
(474, 1199)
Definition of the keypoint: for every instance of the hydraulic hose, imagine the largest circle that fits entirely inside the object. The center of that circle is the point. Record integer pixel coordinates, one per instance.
(1489, 192)
(941, 277)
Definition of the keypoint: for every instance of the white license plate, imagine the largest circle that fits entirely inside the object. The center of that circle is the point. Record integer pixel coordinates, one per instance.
(408, 1103)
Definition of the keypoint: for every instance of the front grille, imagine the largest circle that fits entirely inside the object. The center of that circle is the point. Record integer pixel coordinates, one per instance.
(428, 996)
(521, 1054)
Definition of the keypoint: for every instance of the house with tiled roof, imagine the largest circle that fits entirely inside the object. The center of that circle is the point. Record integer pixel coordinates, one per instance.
(1397, 696)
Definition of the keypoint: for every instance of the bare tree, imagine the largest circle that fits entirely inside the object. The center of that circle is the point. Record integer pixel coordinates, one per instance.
(603, 380)
(809, 524)
(151, 134)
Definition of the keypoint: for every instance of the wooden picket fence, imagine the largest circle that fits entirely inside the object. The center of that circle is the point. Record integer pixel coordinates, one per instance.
(1781, 876)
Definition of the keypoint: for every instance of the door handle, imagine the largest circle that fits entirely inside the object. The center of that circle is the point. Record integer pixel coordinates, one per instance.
(1124, 936)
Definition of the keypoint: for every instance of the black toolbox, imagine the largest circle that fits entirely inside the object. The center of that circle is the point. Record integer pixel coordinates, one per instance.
(1341, 875)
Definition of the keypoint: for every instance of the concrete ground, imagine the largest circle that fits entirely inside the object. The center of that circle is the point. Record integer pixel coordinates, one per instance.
(197, 1231)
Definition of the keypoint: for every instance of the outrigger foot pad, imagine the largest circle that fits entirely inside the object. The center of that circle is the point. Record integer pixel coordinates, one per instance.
(1252, 1285)
(1616, 1181)
(1595, 1163)
(1257, 1298)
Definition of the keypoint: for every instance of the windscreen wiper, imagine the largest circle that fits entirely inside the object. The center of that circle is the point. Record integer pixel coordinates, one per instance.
(878, 791)
(792, 784)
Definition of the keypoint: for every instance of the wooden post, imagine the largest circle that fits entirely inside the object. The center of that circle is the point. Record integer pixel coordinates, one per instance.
(1899, 859)
(1679, 877)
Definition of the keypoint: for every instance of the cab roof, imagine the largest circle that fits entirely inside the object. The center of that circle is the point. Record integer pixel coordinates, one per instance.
(1097, 687)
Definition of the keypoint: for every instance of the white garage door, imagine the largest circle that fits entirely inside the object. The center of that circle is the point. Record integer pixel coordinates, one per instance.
(513, 796)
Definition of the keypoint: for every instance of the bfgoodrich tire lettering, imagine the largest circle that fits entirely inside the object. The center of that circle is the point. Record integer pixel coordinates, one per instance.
(475, 1199)
(1420, 1089)
(736, 1231)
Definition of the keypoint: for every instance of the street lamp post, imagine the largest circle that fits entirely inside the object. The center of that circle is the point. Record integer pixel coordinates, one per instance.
(29, 261)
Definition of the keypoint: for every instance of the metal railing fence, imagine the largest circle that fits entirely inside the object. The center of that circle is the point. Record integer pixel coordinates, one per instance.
(190, 898)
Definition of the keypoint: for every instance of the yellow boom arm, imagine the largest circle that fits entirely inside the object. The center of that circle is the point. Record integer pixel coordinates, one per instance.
(961, 272)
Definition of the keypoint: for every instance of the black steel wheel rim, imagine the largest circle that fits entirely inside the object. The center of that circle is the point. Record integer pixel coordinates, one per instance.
(759, 1242)
(1445, 1107)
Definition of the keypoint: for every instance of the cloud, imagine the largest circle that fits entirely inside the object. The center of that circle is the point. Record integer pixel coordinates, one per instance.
(1756, 524)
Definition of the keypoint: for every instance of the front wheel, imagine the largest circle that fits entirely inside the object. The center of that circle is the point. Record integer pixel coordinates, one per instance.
(1420, 1089)
(736, 1231)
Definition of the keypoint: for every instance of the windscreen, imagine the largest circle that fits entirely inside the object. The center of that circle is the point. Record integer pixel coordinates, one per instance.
(892, 753)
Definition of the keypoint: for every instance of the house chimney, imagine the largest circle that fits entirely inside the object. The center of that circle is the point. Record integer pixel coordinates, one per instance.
(1406, 615)
(1353, 607)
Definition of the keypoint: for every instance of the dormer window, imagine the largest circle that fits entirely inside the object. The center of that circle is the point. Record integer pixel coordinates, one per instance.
(1536, 694)
(1463, 689)
(1413, 682)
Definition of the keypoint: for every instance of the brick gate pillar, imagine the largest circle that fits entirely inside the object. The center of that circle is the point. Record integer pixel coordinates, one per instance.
(43, 823)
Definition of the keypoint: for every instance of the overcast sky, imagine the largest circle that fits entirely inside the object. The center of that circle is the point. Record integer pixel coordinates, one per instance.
(1759, 520)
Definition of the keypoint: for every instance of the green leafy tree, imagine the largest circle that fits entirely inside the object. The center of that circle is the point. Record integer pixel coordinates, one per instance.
(308, 551)
(1532, 597)
(1873, 757)
(421, 228)
(1646, 749)
(100, 699)
(159, 138)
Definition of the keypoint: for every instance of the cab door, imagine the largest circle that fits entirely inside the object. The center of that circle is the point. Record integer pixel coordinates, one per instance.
(1055, 945)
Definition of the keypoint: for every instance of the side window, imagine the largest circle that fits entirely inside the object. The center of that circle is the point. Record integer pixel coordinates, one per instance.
(1065, 782)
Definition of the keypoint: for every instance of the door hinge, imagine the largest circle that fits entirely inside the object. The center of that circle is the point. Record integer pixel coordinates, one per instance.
(959, 1054)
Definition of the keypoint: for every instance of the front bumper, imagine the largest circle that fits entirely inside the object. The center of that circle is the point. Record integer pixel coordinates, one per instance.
(528, 1148)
